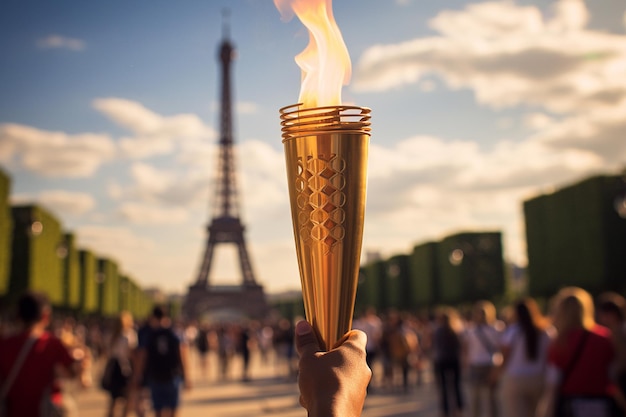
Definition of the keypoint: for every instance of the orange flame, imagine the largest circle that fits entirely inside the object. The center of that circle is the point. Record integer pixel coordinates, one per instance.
(325, 62)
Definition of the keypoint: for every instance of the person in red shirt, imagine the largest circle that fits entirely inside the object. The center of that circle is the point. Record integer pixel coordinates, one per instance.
(46, 359)
(579, 360)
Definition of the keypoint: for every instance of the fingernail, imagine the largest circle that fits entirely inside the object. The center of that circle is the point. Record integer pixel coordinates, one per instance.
(303, 327)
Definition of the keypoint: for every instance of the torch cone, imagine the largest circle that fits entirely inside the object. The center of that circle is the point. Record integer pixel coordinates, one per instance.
(326, 154)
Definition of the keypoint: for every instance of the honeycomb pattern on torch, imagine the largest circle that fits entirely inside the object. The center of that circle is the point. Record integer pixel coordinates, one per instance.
(320, 183)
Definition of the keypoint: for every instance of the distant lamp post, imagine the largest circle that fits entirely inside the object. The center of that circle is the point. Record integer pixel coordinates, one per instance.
(456, 257)
(62, 250)
(36, 228)
(393, 271)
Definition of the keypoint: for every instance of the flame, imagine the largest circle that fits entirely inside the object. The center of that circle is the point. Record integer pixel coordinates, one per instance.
(325, 62)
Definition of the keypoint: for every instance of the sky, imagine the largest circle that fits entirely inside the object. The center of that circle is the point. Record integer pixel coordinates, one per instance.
(109, 119)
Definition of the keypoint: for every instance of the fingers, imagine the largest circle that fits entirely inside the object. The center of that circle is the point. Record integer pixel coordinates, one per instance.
(306, 341)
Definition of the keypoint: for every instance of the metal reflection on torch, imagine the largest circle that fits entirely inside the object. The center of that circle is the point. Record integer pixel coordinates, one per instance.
(326, 153)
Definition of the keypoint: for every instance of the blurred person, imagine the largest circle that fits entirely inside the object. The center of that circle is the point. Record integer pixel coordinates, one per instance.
(245, 342)
(202, 345)
(424, 331)
(71, 335)
(334, 383)
(446, 351)
(265, 336)
(482, 355)
(611, 311)
(139, 380)
(95, 339)
(372, 326)
(118, 370)
(398, 344)
(190, 333)
(579, 360)
(32, 360)
(163, 355)
(227, 347)
(284, 344)
(525, 354)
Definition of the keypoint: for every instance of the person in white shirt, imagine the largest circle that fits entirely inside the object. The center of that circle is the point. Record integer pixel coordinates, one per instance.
(372, 326)
(481, 343)
(525, 354)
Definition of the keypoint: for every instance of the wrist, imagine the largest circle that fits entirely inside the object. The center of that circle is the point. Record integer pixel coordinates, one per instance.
(336, 407)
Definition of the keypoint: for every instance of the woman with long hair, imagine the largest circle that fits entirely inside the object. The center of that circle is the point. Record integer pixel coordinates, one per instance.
(579, 360)
(525, 353)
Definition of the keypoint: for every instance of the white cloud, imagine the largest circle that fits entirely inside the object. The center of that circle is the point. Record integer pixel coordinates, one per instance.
(537, 121)
(67, 202)
(54, 154)
(173, 187)
(112, 240)
(246, 107)
(143, 214)
(442, 187)
(145, 147)
(508, 55)
(570, 15)
(154, 134)
(61, 42)
(427, 86)
(600, 132)
(130, 114)
(119, 244)
(263, 184)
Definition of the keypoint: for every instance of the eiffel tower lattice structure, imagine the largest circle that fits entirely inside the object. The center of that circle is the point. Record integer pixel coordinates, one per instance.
(247, 299)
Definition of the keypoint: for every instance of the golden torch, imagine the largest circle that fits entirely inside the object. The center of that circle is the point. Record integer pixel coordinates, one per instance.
(326, 146)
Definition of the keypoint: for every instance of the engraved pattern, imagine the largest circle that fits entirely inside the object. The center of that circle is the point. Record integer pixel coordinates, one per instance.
(320, 184)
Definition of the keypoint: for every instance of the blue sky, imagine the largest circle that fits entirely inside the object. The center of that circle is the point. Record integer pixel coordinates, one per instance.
(108, 117)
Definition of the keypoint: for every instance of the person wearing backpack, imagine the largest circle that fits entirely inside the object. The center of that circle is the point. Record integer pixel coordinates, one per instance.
(163, 356)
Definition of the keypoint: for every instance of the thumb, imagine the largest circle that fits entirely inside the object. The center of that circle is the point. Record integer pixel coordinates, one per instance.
(306, 341)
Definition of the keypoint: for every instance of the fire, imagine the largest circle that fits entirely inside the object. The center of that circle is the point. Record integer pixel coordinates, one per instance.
(325, 62)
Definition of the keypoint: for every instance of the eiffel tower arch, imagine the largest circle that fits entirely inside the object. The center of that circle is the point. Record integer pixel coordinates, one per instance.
(226, 227)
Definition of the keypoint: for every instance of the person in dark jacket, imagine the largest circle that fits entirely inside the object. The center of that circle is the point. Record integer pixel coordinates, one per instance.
(163, 356)
(447, 362)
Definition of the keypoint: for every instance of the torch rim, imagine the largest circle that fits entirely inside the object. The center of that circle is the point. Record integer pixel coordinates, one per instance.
(298, 122)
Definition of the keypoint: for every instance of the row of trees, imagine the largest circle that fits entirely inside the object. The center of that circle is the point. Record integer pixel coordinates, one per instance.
(37, 253)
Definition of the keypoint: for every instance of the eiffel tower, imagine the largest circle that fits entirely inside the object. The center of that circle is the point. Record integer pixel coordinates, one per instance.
(247, 299)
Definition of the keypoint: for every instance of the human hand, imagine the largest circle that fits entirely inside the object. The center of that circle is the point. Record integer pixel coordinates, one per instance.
(334, 383)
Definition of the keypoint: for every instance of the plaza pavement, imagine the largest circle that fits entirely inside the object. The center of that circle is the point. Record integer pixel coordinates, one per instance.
(269, 392)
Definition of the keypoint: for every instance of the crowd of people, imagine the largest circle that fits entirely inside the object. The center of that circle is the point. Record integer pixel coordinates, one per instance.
(141, 366)
(518, 363)
(513, 362)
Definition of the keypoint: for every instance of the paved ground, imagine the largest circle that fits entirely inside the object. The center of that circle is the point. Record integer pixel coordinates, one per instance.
(269, 392)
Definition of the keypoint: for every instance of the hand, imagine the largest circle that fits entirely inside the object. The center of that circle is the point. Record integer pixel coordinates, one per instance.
(334, 383)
